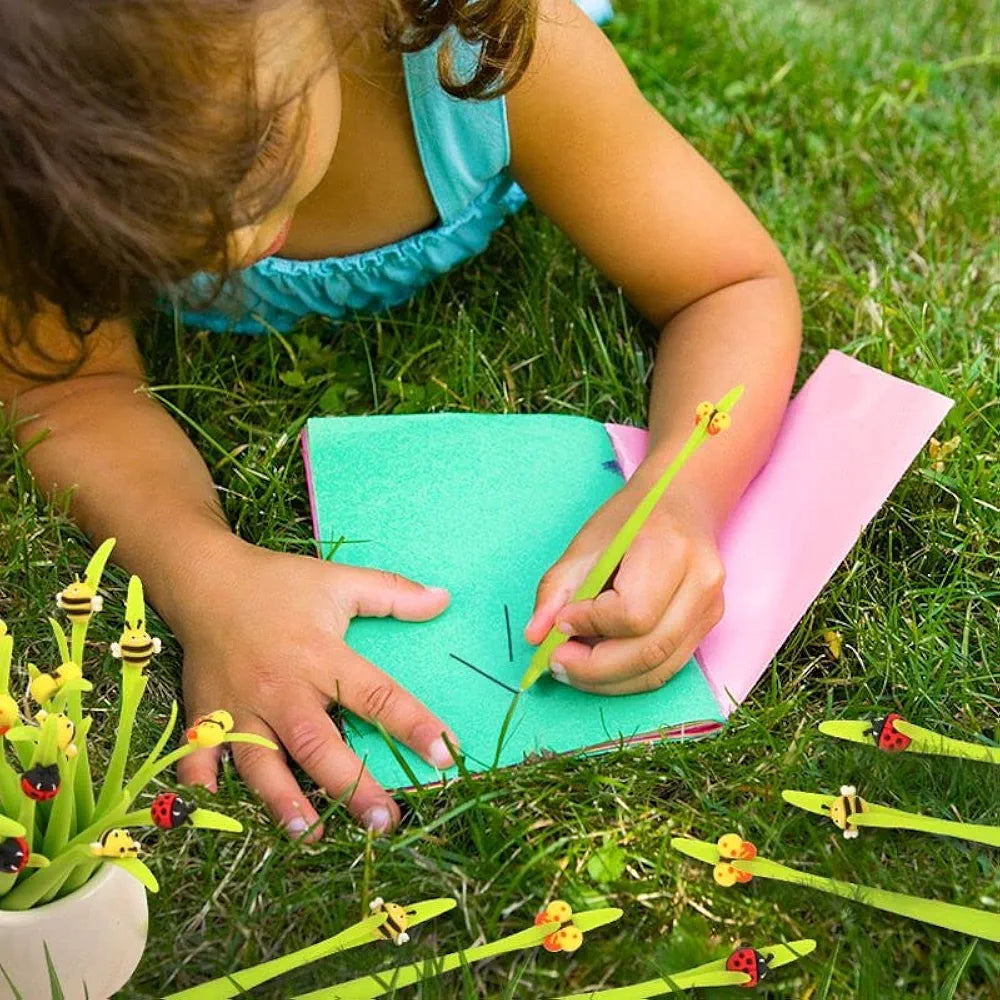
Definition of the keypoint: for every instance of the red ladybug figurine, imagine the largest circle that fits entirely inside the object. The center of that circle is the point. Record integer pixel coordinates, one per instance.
(14, 854)
(749, 961)
(169, 810)
(41, 783)
(888, 737)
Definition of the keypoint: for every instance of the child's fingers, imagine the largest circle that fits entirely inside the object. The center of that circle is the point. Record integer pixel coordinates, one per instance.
(374, 593)
(651, 680)
(646, 583)
(376, 697)
(312, 740)
(615, 666)
(200, 768)
(267, 774)
(555, 589)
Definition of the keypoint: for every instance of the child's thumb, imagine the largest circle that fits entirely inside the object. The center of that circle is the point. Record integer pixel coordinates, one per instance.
(376, 593)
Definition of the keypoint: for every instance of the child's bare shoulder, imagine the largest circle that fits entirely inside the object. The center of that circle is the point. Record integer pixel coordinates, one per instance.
(46, 351)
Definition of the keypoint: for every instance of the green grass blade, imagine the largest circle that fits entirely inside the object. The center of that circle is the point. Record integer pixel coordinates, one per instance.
(18, 995)
(54, 985)
(950, 986)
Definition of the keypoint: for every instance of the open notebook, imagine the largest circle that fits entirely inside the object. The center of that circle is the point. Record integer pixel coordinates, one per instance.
(484, 504)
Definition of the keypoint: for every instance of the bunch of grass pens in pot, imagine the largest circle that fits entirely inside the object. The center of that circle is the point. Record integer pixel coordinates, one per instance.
(58, 825)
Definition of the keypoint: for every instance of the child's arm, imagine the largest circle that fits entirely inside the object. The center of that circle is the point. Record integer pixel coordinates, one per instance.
(661, 223)
(262, 631)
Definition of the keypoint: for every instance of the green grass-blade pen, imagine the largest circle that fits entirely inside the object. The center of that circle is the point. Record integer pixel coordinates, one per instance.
(709, 421)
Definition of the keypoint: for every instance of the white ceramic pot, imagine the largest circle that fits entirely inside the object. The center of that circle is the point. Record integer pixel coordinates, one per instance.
(96, 936)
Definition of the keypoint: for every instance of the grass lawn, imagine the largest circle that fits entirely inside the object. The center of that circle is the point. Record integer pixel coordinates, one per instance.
(865, 135)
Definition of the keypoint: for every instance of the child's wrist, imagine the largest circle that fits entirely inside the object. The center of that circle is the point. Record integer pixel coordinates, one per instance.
(183, 573)
(696, 495)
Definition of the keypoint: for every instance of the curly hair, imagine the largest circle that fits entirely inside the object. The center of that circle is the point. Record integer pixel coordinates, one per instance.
(127, 126)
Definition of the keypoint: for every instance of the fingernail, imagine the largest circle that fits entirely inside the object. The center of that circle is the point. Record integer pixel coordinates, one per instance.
(296, 826)
(531, 623)
(559, 672)
(440, 756)
(378, 819)
(565, 628)
(437, 591)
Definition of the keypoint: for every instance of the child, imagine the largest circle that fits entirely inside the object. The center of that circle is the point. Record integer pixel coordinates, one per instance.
(152, 150)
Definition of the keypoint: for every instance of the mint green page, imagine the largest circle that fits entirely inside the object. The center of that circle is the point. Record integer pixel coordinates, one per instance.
(481, 504)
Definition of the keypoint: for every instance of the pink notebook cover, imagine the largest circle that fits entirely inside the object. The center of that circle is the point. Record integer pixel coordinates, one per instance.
(847, 439)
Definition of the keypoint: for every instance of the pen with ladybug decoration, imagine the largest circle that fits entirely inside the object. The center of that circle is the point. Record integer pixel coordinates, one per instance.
(746, 967)
(893, 734)
(15, 852)
(40, 782)
(729, 870)
(710, 419)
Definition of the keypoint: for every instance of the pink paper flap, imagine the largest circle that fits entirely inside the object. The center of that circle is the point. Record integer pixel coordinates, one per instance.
(847, 439)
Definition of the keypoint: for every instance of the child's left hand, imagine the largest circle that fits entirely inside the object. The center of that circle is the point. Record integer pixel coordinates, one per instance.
(663, 599)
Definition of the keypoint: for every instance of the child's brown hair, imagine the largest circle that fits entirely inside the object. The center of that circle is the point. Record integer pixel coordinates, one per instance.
(117, 171)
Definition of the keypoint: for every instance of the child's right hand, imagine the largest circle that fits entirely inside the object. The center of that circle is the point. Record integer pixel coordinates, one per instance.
(263, 637)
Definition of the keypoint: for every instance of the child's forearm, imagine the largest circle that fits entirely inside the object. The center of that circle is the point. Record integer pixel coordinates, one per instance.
(747, 333)
(133, 472)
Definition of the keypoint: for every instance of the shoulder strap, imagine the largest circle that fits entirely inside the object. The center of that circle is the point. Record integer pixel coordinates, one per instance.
(463, 144)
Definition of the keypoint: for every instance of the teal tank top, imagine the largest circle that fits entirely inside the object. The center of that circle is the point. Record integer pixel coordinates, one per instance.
(464, 149)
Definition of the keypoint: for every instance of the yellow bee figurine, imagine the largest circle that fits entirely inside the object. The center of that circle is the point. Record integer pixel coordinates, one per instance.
(209, 730)
(115, 844)
(717, 420)
(135, 647)
(9, 715)
(44, 686)
(65, 732)
(842, 809)
(79, 601)
(394, 928)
